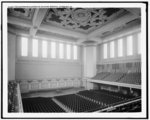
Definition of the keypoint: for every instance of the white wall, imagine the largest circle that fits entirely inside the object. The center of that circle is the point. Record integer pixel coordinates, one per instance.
(29, 68)
(34, 69)
(90, 85)
(114, 37)
(89, 61)
(11, 56)
(45, 70)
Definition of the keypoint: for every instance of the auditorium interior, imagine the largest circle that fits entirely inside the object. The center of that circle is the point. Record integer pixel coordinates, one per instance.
(74, 60)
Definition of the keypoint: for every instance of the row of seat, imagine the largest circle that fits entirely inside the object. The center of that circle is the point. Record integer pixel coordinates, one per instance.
(92, 100)
(114, 77)
(40, 104)
(101, 75)
(117, 94)
(105, 98)
(83, 101)
(136, 68)
(130, 78)
(78, 104)
(133, 107)
(120, 67)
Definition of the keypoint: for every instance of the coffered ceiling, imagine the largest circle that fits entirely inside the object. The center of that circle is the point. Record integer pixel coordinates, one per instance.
(75, 24)
(23, 13)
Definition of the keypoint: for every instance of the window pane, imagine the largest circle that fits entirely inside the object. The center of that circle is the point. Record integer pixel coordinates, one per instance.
(129, 45)
(105, 51)
(75, 52)
(139, 43)
(61, 50)
(35, 48)
(24, 46)
(68, 51)
(53, 49)
(120, 47)
(44, 49)
(112, 49)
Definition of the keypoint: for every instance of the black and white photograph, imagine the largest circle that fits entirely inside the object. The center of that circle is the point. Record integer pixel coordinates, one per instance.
(74, 60)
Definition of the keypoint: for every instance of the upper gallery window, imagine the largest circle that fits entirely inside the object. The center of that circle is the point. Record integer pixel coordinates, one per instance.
(112, 49)
(105, 51)
(61, 50)
(68, 51)
(130, 45)
(64, 50)
(35, 48)
(75, 52)
(24, 46)
(120, 47)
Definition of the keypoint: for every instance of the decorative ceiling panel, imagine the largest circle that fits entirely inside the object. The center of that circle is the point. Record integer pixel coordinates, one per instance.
(24, 13)
(130, 24)
(81, 19)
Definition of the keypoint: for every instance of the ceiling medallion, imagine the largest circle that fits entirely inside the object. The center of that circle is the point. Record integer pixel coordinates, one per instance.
(81, 16)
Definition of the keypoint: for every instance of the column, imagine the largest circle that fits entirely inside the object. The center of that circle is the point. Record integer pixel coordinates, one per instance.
(57, 50)
(135, 44)
(30, 47)
(124, 46)
(116, 48)
(90, 61)
(65, 51)
(40, 49)
(49, 49)
(11, 56)
(108, 50)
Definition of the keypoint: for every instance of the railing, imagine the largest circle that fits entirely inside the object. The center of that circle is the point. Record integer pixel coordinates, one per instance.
(14, 97)
(115, 83)
(20, 106)
(49, 84)
(127, 102)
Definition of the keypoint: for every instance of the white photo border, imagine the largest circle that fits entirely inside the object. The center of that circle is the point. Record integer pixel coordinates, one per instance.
(4, 81)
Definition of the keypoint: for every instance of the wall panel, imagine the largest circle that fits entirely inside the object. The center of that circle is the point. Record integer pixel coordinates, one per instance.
(40, 70)
(11, 56)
